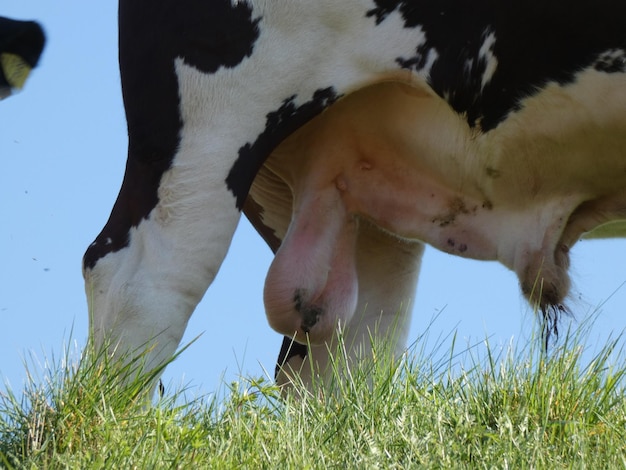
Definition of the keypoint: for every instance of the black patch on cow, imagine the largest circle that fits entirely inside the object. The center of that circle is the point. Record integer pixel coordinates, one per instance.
(537, 42)
(289, 349)
(254, 213)
(279, 124)
(207, 35)
(612, 61)
(219, 34)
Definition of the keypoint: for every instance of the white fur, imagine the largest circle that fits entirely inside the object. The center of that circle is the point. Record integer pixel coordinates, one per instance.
(562, 148)
(144, 294)
(486, 53)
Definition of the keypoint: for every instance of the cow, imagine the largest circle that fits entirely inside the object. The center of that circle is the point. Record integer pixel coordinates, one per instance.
(351, 134)
(21, 45)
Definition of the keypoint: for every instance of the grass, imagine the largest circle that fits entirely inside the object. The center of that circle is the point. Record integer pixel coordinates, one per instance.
(517, 408)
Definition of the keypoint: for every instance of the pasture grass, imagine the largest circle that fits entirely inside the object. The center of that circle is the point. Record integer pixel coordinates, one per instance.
(514, 408)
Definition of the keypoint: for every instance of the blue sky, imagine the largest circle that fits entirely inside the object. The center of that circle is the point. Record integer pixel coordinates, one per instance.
(62, 154)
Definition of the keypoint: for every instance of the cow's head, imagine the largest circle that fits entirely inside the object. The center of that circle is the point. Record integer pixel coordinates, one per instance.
(21, 44)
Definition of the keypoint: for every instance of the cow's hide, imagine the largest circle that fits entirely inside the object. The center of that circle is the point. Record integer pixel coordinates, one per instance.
(350, 133)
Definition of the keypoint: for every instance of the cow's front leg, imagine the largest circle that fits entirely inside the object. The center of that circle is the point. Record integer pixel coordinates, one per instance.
(144, 278)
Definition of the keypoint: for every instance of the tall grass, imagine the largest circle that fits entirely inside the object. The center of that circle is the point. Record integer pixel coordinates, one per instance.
(516, 408)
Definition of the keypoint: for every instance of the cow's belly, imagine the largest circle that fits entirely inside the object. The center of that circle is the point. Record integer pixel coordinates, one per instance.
(521, 194)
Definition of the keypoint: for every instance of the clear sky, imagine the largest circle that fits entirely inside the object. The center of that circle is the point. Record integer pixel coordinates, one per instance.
(62, 154)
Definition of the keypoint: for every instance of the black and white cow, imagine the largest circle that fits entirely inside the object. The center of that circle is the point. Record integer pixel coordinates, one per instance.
(350, 132)
(21, 44)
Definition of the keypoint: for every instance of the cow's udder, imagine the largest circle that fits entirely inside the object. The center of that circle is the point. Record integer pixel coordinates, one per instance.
(311, 286)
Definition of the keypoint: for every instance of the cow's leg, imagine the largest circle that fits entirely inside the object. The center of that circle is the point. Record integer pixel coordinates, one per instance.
(144, 280)
(388, 269)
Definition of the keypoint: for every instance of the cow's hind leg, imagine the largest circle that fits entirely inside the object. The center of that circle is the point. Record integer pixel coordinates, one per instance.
(144, 278)
(388, 269)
